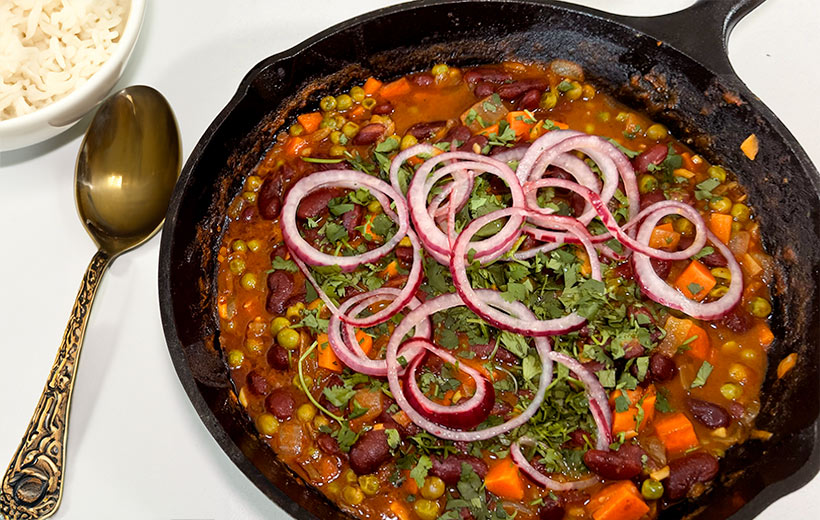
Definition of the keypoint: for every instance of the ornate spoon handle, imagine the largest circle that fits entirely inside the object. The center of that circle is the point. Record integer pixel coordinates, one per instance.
(33, 484)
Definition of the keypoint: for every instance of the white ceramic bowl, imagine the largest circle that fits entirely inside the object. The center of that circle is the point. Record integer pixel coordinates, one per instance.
(59, 116)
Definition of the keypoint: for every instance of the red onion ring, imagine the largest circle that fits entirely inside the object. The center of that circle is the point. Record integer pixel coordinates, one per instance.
(354, 180)
(659, 291)
(403, 156)
(518, 457)
(466, 414)
(444, 302)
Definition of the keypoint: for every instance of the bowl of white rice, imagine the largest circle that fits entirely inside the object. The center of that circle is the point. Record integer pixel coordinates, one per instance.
(58, 59)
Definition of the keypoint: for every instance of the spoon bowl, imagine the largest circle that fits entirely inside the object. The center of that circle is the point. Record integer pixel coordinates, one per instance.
(128, 164)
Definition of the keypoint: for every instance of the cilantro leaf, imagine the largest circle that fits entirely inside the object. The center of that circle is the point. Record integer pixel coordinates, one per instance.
(419, 472)
(285, 265)
(339, 396)
(702, 375)
(704, 189)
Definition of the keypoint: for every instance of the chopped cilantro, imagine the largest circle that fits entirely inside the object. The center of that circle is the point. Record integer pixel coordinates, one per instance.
(704, 189)
(702, 375)
(285, 265)
(419, 472)
(393, 438)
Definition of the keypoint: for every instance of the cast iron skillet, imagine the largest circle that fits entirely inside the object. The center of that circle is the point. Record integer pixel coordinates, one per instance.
(678, 76)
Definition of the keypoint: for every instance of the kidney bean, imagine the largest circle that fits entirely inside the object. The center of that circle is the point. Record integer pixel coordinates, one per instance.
(622, 464)
(486, 74)
(257, 384)
(459, 133)
(278, 358)
(577, 203)
(714, 260)
(577, 438)
(280, 403)
(550, 510)
(369, 452)
(280, 288)
(501, 354)
(469, 144)
(655, 155)
(736, 410)
(449, 469)
(738, 320)
(661, 367)
(279, 250)
(593, 366)
(633, 349)
(686, 471)
(530, 100)
(484, 89)
(426, 130)
(315, 203)
(500, 409)
(404, 254)
(383, 108)
(652, 197)
(248, 214)
(369, 134)
(711, 415)
(268, 200)
(423, 79)
(353, 218)
(511, 91)
(661, 267)
(328, 444)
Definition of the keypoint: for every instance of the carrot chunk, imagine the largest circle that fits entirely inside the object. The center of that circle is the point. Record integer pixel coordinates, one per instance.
(365, 341)
(395, 89)
(695, 281)
(721, 226)
(521, 122)
(371, 86)
(632, 421)
(785, 366)
(293, 146)
(618, 501)
(492, 129)
(698, 342)
(664, 236)
(764, 334)
(504, 480)
(326, 357)
(676, 433)
(310, 122)
(750, 147)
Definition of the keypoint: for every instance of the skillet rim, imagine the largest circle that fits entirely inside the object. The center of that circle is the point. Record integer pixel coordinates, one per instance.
(763, 499)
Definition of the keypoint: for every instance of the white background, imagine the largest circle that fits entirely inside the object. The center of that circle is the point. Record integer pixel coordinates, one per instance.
(137, 449)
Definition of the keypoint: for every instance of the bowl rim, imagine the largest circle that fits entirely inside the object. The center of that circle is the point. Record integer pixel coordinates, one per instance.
(126, 43)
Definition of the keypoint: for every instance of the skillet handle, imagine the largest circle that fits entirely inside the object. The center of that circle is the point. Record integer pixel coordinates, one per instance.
(700, 31)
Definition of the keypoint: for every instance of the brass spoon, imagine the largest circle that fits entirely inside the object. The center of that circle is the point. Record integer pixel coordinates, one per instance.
(128, 164)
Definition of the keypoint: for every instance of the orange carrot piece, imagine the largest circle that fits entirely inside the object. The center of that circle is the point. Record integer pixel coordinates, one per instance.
(504, 480)
(688, 163)
(310, 122)
(356, 113)
(409, 483)
(395, 89)
(365, 341)
(560, 125)
(664, 236)
(521, 122)
(618, 501)
(764, 334)
(371, 86)
(627, 421)
(293, 146)
(695, 281)
(390, 271)
(699, 347)
(785, 366)
(492, 129)
(721, 226)
(676, 433)
(327, 358)
(750, 147)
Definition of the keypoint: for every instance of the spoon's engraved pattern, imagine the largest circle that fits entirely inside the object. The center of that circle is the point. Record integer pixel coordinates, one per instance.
(33, 484)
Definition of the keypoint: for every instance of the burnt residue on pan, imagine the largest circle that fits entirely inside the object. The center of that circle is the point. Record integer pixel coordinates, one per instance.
(713, 112)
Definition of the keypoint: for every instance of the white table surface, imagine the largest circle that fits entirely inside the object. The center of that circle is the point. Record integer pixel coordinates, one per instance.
(137, 449)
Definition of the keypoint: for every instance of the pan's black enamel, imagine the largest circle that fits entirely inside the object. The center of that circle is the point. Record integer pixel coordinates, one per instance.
(651, 64)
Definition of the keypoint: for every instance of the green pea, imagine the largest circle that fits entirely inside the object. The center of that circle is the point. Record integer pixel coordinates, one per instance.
(350, 129)
(369, 484)
(335, 136)
(718, 292)
(329, 122)
(248, 281)
(277, 324)
(731, 391)
(575, 92)
(548, 100)
(717, 172)
(254, 345)
(368, 103)
(337, 150)
(407, 141)
(433, 488)
(237, 266)
(306, 412)
(603, 117)
(722, 272)
(374, 207)
(683, 226)
(657, 132)
(235, 358)
(296, 129)
(741, 212)
(267, 424)
(647, 183)
(760, 307)
(288, 338)
(440, 70)
(721, 204)
(254, 245)
(352, 495)
(344, 102)
(426, 509)
(249, 196)
(239, 245)
(357, 93)
(254, 182)
(327, 103)
(651, 489)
